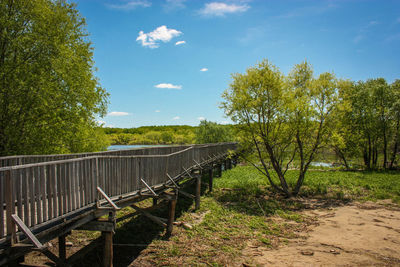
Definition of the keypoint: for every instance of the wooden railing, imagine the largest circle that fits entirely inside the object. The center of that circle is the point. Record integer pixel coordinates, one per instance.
(41, 193)
(27, 159)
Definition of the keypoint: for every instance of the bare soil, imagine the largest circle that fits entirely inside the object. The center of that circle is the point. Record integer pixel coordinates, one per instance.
(356, 234)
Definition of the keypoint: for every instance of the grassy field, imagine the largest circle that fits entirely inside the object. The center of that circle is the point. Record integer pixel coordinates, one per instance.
(241, 211)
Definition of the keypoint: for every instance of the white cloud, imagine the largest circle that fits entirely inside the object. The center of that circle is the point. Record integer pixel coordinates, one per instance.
(130, 5)
(168, 86)
(152, 39)
(204, 69)
(176, 118)
(157, 111)
(224, 122)
(201, 118)
(117, 114)
(180, 42)
(220, 9)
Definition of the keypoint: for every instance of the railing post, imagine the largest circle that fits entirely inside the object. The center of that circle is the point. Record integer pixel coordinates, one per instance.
(95, 180)
(62, 252)
(198, 191)
(171, 212)
(10, 207)
(210, 178)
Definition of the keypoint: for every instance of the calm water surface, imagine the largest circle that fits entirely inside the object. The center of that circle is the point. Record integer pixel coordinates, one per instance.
(125, 147)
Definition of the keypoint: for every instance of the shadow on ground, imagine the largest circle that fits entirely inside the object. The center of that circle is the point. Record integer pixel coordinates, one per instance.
(137, 233)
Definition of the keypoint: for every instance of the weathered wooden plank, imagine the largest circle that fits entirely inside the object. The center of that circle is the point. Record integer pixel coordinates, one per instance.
(69, 185)
(81, 183)
(18, 190)
(26, 231)
(49, 192)
(43, 182)
(2, 204)
(86, 180)
(38, 195)
(72, 178)
(60, 190)
(31, 180)
(10, 207)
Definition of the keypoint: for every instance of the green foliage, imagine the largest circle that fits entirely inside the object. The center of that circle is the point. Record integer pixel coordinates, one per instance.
(49, 96)
(212, 132)
(280, 118)
(152, 135)
(367, 122)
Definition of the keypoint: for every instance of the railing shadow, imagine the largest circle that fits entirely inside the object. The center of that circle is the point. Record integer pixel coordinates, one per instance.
(137, 233)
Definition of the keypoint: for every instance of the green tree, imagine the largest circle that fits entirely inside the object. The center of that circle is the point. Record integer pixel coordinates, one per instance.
(395, 111)
(281, 118)
(212, 132)
(49, 96)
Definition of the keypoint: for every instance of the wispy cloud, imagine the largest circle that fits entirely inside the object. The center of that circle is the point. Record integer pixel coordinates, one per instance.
(363, 32)
(130, 5)
(171, 5)
(201, 118)
(220, 9)
(312, 10)
(117, 114)
(393, 37)
(153, 38)
(157, 111)
(176, 118)
(204, 69)
(180, 43)
(168, 86)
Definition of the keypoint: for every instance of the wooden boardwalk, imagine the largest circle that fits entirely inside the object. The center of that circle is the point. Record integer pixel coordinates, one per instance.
(47, 196)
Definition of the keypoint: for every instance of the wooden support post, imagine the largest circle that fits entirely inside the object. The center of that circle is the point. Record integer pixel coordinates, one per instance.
(62, 252)
(225, 165)
(219, 170)
(154, 201)
(210, 179)
(229, 164)
(108, 243)
(198, 191)
(108, 248)
(171, 213)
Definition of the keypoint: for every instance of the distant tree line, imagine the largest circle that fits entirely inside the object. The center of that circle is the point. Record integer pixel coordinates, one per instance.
(206, 132)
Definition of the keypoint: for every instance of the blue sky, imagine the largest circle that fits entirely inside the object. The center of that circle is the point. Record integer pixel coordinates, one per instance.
(167, 62)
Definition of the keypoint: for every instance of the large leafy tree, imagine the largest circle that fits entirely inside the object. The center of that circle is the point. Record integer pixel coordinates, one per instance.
(49, 96)
(280, 118)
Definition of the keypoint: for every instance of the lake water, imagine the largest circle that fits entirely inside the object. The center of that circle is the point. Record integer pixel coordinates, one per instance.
(125, 147)
(321, 164)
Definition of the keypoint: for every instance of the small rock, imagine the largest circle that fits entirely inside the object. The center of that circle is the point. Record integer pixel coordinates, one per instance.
(334, 251)
(49, 244)
(68, 244)
(307, 253)
(187, 226)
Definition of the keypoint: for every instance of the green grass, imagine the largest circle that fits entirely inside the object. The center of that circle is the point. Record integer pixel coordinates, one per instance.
(242, 210)
(360, 185)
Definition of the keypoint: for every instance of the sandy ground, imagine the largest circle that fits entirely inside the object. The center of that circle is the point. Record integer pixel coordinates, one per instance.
(356, 234)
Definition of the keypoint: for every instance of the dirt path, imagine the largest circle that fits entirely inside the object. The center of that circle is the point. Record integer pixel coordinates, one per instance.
(365, 234)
